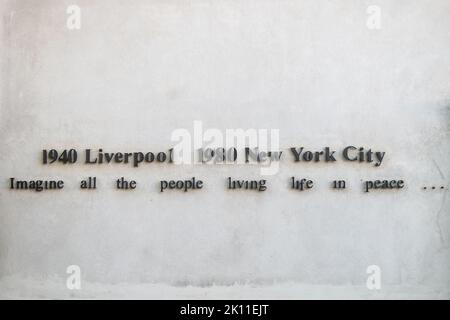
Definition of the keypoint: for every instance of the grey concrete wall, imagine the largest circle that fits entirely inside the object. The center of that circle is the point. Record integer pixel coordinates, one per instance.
(136, 71)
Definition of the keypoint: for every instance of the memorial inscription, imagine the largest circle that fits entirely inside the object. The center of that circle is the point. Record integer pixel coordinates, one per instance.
(251, 155)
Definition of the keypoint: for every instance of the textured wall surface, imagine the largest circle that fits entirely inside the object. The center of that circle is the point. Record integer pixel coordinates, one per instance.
(137, 70)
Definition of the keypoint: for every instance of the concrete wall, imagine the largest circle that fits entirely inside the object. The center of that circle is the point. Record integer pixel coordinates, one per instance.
(136, 71)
